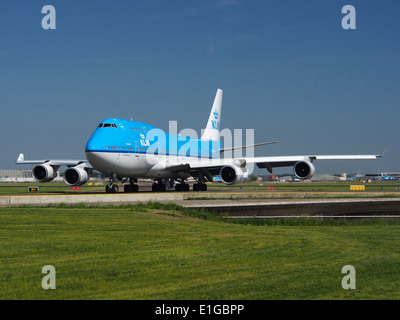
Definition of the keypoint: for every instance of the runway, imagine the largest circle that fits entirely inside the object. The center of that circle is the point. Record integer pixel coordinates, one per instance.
(235, 203)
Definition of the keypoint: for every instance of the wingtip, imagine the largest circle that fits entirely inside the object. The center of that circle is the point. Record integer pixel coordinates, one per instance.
(384, 152)
(21, 157)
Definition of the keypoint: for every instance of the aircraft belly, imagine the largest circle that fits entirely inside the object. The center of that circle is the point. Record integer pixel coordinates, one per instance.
(132, 165)
(122, 164)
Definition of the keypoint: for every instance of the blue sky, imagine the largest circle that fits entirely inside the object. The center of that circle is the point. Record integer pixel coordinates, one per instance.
(288, 70)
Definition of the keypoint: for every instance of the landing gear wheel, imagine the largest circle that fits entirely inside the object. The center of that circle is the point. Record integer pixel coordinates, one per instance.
(159, 186)
(199, 187)
(112, 188)
(108, 188)
(129, 188)
(182, 187)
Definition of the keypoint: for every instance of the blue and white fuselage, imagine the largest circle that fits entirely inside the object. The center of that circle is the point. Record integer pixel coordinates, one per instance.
(139, 150)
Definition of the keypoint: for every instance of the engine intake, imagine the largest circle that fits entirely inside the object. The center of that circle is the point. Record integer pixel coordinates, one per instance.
(304, 170)
(231, 174)
(75, 176)
(44, 173)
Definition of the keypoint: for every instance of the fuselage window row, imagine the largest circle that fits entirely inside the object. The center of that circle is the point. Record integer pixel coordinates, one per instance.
(120, 148)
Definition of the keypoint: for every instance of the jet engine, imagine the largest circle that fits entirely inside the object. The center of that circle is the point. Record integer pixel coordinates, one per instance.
(75, 176)
(44, 173)
(304, 170)
(231, 174)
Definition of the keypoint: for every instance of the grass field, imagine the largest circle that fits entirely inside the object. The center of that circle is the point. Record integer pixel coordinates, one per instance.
(167, 252)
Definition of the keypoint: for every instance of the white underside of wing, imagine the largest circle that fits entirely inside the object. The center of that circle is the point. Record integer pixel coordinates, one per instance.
(281, 160)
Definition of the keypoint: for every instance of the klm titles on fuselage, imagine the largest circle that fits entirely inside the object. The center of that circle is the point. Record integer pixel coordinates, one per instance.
(143, 141)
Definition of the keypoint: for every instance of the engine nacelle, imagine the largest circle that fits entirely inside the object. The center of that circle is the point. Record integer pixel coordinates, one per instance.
(231, 174)
(304, 170)
(44, 173)
(75, 176)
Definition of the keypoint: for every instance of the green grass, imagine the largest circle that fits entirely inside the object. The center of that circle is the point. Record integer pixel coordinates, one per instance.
(167, 252)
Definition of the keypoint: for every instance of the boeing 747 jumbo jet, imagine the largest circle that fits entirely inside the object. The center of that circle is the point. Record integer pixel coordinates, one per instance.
(130, 150)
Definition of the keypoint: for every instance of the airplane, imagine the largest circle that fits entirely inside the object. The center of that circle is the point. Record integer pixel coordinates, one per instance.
(121, 150)
(386, 177)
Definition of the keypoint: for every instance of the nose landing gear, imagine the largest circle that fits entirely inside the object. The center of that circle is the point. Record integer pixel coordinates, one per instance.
(111, 188)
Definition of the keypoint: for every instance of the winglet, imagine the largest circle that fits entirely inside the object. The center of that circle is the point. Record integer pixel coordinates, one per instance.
(384, 152)
(21, 158)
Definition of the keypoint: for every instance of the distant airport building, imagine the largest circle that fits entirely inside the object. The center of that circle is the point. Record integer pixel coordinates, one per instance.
(16, 175)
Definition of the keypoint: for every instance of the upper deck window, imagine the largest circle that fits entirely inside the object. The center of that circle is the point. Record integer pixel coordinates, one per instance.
(107, 125)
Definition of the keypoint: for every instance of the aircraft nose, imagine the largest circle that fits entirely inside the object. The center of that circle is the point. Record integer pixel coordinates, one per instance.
(91, 144)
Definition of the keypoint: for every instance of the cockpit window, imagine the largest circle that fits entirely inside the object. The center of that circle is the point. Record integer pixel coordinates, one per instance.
(107, 125)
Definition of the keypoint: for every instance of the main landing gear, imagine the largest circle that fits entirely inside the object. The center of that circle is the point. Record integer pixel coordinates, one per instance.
(200, 187)
(131, 187)
(182, 186)
(159, 186)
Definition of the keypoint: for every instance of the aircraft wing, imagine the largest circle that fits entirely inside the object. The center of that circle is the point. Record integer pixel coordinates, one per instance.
(212, 166)
(287, 161)
(56, 163)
